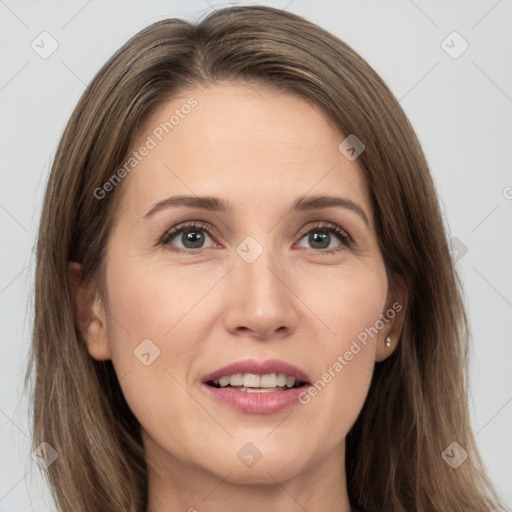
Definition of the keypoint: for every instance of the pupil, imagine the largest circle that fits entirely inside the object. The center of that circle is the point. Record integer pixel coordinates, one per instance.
(193, 237)
(319, 237)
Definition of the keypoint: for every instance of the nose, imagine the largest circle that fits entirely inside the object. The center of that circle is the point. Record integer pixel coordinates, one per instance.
(261, 303)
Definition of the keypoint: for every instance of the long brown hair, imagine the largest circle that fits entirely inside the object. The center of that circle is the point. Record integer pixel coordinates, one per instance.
(417, 403)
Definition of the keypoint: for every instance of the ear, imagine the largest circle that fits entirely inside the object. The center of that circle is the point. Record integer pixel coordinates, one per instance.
(89, 313)
(393, 318)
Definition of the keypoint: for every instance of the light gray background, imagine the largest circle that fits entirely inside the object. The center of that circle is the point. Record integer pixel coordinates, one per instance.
(460, 107)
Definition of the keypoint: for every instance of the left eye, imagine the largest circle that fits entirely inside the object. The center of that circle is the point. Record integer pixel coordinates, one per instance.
(320, 237)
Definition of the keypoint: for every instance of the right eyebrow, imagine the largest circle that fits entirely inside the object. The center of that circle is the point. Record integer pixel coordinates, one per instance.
(212, 204)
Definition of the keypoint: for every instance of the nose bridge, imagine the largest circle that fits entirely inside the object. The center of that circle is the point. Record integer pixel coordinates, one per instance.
(258, 266)
(260, 300)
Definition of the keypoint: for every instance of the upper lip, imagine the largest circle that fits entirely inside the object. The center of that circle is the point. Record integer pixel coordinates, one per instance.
(258, 368)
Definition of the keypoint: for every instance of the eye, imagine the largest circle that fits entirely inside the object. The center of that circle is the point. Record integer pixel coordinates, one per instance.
(320, 236)
(192, 235)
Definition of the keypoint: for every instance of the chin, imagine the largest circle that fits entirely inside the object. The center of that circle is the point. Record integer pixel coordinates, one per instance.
(264, 465)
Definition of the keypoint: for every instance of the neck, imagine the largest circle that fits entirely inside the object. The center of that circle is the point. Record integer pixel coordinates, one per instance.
(180, 485)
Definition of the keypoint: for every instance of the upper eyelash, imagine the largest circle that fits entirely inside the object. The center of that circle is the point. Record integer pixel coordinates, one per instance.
(344, 237)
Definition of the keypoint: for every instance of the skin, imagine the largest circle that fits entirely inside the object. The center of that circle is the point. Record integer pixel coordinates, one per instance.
(209, 307)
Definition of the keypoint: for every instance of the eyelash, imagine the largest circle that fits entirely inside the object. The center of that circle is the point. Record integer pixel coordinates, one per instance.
(345, 239)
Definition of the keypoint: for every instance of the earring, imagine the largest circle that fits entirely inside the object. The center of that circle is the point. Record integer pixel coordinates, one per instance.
(388, 342)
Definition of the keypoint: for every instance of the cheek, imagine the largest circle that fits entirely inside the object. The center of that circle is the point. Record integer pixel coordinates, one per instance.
(351, 311)
(152, 300)
(151, 337)
(157, 319)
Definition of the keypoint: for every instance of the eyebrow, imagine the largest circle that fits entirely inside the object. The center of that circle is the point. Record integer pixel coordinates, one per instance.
(215, 204)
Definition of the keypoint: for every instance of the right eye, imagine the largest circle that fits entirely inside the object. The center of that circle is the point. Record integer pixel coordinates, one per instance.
(192, 236)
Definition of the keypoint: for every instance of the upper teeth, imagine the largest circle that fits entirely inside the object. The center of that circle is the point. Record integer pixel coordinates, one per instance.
(251, 380)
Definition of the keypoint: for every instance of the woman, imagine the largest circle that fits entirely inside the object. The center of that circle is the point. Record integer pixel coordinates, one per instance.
(244, 293)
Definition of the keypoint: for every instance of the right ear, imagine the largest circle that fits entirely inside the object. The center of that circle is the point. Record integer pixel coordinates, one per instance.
(89, 313)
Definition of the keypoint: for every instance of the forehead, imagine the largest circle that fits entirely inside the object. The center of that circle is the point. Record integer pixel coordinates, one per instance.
(245, 142)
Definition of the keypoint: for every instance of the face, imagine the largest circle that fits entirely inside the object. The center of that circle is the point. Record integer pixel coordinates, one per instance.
(258, 276)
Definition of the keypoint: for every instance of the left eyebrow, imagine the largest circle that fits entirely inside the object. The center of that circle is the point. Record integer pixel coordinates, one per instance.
(317, 202)
(215, 204)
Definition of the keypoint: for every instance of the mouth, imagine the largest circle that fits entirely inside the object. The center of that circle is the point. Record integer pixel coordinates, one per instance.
(254, 383)
(258, 387)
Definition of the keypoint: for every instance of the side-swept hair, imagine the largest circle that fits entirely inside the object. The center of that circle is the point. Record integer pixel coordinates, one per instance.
(417, 403)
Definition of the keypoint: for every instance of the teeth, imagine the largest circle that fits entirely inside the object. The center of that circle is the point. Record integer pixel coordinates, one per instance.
(269, 381)
(236, 380)
(224, 381)
(281, 380)
(251, 380)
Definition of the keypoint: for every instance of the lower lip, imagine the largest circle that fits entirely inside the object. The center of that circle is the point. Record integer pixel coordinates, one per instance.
(256, 403)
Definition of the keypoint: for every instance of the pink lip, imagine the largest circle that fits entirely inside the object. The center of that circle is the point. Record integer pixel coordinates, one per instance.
(256, 403)
(258, 368)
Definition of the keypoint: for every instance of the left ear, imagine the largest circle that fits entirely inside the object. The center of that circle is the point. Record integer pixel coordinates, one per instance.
(393, 318)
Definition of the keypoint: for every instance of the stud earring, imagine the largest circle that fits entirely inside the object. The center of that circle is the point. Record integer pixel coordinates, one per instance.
(388, 342)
